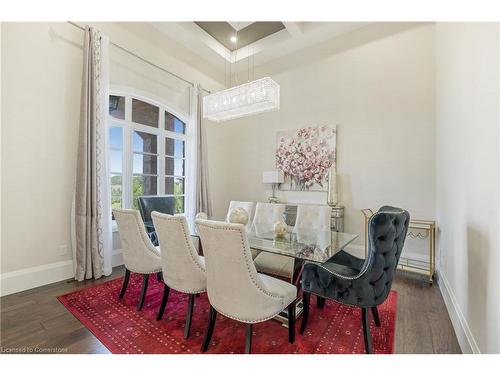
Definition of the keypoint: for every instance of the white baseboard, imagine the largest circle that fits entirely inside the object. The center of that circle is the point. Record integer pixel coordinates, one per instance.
(28, 278)
(462, 330)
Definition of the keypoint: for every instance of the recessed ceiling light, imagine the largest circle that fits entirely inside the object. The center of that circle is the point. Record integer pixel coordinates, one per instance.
(233, 39)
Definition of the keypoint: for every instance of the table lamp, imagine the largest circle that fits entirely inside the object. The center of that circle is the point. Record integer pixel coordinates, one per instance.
(274, 178)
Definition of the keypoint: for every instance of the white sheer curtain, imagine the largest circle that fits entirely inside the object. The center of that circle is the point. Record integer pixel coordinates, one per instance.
(92, 210)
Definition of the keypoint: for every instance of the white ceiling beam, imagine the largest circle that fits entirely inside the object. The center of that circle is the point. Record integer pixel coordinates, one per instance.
(294, 28)
(240, 25)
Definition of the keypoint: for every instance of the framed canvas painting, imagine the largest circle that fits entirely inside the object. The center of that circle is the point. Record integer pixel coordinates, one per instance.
(305, 156)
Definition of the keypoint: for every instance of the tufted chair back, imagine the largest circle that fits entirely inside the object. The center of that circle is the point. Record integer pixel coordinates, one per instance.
(148, 204)
(266, 214)
(249, 207)
(183, 269)
(234, 288)
(312, 218)
(357, 282)
(139, 254)
(387, 231)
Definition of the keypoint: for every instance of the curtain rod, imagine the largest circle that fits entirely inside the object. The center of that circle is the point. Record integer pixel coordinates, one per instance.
(142, 58)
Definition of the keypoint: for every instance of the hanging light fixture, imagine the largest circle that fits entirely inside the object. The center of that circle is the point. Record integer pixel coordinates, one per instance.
(262, 95)
(258, 96)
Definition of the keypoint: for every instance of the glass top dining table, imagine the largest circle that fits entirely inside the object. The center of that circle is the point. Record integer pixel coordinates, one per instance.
(307, 245)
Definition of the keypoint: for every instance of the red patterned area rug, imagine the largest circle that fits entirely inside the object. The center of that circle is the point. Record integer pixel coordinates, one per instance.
(122, 329)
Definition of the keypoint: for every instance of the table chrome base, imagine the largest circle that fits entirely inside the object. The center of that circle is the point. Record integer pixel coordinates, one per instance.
(282, 317)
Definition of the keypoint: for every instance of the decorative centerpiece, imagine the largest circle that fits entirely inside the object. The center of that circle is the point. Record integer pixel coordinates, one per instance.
(201, 215)
(280, 229)
(239, 216)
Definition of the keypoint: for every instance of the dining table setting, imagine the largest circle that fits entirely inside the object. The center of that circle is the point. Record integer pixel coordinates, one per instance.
(304, 245)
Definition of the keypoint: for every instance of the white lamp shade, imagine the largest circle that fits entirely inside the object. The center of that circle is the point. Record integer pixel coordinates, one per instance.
(273, 177)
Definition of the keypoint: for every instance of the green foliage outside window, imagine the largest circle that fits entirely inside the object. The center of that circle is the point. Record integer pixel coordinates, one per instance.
(138, 190)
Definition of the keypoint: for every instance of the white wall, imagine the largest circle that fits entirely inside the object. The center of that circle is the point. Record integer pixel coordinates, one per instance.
(41, 78)
(40, 107)
(468, 181)
(377, 84)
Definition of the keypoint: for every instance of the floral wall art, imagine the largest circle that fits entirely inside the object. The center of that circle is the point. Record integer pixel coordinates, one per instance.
(305, 157)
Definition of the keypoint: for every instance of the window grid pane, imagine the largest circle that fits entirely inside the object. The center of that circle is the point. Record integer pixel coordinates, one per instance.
(179, 204)
(115, 161)
(145, 113)
(175, 147)
(174, 167)
(145, 143)
(143, 185)
(117, 106)
(174, 124)
(116, 138)
(145, 153)
(145, 164)
(116, 192)
(174, 185)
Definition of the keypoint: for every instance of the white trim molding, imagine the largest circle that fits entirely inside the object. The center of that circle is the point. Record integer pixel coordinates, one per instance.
(28, 278)
(462, 330)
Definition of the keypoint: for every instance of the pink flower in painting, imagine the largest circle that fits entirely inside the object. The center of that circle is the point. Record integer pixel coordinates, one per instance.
(306, 156)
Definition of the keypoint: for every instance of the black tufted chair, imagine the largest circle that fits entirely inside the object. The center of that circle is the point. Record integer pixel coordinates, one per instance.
(148, 204)
(363, 283)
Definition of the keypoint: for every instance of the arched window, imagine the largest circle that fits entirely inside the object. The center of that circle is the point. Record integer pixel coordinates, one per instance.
(147, 151)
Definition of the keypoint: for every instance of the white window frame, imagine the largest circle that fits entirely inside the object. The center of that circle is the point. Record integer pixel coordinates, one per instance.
(128, 127)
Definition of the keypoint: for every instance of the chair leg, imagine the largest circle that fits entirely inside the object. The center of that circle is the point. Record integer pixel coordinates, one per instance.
(145, 279)
(211, 324)
(125, 283)
(189, 316)
(320, 302)
(306, 297)
(291, 322)
(248, 340)
(366, 329)
(166, 291)
(376, 317)
(159, 276)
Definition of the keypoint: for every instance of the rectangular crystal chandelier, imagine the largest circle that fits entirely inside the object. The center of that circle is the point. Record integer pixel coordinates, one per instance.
(262, 95)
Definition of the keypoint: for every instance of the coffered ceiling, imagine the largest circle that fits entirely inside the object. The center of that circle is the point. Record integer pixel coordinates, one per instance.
(235, 35)
(260, 41)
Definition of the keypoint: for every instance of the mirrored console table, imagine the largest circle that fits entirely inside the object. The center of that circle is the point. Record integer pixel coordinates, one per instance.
(417, 229)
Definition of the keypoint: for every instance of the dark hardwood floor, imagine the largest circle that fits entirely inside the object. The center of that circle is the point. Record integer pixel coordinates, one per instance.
(35, 319)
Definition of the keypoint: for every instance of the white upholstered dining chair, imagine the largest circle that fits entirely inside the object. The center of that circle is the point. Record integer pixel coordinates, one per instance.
(139, 254)
(249, 207)
(310, 219)
(266, 214)
(234, 287)
(183, 269)
(313, 218)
